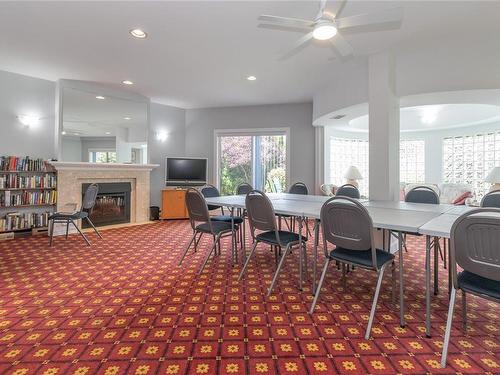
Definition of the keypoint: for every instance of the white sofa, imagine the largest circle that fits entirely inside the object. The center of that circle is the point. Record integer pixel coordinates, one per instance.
(448, 193)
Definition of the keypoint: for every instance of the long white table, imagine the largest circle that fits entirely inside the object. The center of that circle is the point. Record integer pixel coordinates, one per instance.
(427, 219)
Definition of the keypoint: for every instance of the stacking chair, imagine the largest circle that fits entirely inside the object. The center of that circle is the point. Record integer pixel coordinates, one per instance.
(202, 223)
(422, 194)
(425, 194)
(244, 188)
(348, 190)
(347, 225)
(301, 189)
(474, 247)
(263, 219)
(492, 199)
(210, 191)
(88, 204)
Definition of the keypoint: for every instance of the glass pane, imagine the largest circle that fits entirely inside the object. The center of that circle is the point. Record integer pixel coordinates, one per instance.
(270, 167)
(235, 162)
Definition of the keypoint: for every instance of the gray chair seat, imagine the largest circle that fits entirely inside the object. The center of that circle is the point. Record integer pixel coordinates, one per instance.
(227, 219)
(68, 215)
(285, 237)
(478, 284)
(361, 257)
(217, 226)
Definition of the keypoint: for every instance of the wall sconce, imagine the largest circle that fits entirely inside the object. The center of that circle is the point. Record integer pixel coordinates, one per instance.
(161, 135)
(28, 120)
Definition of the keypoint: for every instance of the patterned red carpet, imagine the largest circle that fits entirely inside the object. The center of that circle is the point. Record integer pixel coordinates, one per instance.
(124, 306)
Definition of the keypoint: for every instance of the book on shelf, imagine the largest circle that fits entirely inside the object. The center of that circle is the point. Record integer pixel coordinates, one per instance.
(27, 220)
(23, 164)
(15, 181)
(24, 198)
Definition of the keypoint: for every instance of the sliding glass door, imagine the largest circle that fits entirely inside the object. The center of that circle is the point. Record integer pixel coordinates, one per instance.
(258, 158)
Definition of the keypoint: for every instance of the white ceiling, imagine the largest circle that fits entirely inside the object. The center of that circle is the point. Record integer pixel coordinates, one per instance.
(199, 53)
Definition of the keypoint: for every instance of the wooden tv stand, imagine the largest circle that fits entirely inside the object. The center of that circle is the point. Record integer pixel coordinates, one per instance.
(173, 203)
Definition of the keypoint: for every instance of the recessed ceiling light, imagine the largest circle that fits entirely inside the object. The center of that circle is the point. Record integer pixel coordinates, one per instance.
(127, 118)
(138, 33)
(127, 82)
(100, 97)
(251, 78)
(63, 132)
(108, 133)
(324, 30)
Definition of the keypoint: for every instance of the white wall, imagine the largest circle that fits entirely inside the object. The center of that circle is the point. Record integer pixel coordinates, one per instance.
(23, 95)
(71, 148)
(201, 123)
(172, 121)
(88, 143)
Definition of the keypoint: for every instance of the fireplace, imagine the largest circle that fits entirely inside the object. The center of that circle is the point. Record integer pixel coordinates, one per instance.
(112, 204)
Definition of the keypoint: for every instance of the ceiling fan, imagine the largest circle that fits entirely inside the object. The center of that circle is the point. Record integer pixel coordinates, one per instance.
(326, 25)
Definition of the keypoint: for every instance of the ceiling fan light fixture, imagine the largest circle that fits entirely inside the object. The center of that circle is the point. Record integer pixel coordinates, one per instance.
(324, 30)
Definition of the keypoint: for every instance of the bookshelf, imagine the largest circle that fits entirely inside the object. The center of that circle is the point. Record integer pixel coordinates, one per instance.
(28, 195)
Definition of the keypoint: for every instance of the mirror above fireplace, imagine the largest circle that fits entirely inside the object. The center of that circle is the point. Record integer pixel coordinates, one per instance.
(101, 124)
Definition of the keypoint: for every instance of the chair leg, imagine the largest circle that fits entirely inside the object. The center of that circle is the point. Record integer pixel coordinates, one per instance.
(448, 327)
(208, 255)
(81, 233)
(247, 261)
(188, 246)
(197, 241)
(67, 228)
(375, 300)
(93, 226)
(52, 232)
(344, 278)
(282, 260)
(318, 288)
(393, 286)
(464, 310)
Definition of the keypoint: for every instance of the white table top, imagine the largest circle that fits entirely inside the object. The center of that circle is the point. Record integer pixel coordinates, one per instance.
(439, 226)
(385, 218)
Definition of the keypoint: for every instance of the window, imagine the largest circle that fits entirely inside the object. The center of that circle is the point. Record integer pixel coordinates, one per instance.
(256, 157)
(412, 161)
(102, 156)
(345, 152)
(468, 159)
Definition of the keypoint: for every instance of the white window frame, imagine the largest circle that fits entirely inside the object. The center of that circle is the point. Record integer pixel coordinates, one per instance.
(250, 132)
(412, 140)
(91, 150)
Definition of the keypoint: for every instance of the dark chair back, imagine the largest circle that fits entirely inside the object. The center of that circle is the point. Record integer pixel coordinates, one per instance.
(348, 190)
(89, 198)
(475, 243)
(244, 189)
(492, 199)
(422, 194)
(210, 191)
(347, 224)
(298, 188)
(197, 207)
(260, 212)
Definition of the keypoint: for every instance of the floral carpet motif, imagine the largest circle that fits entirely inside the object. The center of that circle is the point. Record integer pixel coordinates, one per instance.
(124, 306)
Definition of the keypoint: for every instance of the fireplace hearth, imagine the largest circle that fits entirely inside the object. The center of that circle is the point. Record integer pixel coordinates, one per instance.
(112, 204)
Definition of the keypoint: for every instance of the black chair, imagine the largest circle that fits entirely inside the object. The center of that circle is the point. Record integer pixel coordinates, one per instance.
(348, 190)
(202, 223)
(422, 194)
(243, 189)
(210, 191)
(263, 219)
(88, 203)
(301, 189)
(492, 199)
(474, 247)
(347, 225)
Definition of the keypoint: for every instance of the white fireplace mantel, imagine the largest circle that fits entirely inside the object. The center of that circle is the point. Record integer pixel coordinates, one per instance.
(65, 165)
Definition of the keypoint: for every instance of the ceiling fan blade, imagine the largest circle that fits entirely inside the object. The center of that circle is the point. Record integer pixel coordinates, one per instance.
(336, 8)
(299, 44)
(343, 47)
(386, 16)
(285, 21)
(322, 5)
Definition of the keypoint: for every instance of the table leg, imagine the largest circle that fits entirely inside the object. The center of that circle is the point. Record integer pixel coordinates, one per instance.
(401, 281)
(428, 286)
(299, 219)
(315, 262)
(436, 266)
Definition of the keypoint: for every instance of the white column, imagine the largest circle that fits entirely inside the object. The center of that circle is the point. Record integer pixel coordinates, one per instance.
(383, 116)
(319, 156)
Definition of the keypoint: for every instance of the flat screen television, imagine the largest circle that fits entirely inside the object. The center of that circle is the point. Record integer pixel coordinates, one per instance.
(185, 171)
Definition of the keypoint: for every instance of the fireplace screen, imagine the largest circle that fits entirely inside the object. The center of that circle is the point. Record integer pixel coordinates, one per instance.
(112, 204)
